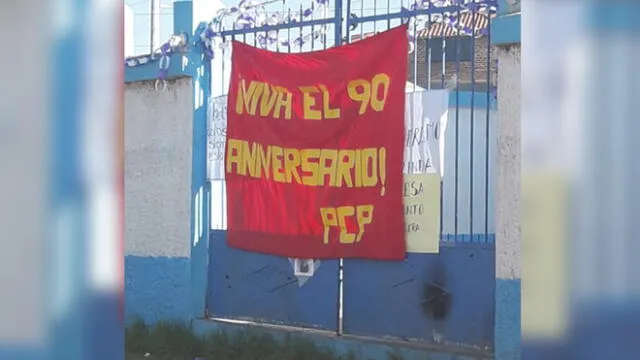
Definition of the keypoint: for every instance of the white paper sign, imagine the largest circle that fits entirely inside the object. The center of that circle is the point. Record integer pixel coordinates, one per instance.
(425, 122)
(216, 136)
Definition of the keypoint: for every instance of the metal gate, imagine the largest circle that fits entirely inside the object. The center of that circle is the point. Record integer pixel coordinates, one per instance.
(445, 298)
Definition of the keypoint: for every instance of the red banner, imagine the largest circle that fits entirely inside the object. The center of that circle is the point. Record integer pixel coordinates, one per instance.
(314, 150)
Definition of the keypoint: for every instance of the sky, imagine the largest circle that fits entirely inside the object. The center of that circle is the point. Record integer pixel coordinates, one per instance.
(142, 24)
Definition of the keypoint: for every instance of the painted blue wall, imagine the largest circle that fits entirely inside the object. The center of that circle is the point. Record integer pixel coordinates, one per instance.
(157, 288)
(507, 320)
(505, 29)
(469, 99)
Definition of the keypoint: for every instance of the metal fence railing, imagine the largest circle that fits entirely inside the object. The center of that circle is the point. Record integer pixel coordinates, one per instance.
(451, 43)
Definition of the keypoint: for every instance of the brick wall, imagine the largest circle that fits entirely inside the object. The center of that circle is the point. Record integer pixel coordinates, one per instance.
(480, 67)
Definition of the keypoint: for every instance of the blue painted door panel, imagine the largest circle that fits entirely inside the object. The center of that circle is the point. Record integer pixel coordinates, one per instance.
(245, 285)
(433, 298)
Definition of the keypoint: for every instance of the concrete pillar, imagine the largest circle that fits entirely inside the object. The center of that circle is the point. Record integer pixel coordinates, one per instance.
(508, 211)
(506, 36)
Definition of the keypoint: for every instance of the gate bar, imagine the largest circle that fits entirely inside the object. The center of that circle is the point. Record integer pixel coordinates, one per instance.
(404, 14)
(285, 26)
(337, 20)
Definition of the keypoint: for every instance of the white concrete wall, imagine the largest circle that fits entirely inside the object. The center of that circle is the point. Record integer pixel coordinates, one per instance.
(158, 145)
(508, 170)
(508, 207)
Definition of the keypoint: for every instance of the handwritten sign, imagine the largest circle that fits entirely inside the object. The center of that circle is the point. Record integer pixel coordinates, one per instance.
(421, 196)
(425, 121)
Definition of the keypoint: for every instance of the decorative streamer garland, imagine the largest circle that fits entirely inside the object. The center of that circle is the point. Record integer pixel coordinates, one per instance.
(163, 53)
(174, 44)
(251, 14)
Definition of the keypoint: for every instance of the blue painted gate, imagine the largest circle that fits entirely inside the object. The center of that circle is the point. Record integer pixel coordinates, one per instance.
(445, 298)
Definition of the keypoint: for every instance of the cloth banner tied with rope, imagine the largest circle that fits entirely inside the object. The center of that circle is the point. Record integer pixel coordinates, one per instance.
(314, 150)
